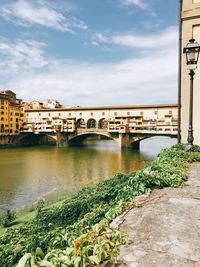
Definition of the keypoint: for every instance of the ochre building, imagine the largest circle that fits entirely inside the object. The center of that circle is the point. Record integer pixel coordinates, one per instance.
(11, 115)
(190, 29)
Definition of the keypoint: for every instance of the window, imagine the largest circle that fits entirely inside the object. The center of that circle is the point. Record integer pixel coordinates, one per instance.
(141, 113)
(70, 114)
(91, 114)
(170, 112)
(80, 114)
(128, 113)
(155, 112)
(115, 113)
(103, 113)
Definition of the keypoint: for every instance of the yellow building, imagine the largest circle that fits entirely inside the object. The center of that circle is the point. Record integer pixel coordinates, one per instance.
(190, 19)
(11, 115)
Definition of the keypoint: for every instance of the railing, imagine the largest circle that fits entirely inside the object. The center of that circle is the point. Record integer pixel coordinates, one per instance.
(91, 130)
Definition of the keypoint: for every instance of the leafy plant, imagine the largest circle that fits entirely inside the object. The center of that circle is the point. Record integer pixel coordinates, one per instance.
(40, 205)
(8, 217)
(76, 232)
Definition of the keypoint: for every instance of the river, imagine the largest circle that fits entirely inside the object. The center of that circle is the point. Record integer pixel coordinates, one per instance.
(29, 173)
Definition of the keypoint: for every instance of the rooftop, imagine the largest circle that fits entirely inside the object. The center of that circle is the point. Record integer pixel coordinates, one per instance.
(154, 106)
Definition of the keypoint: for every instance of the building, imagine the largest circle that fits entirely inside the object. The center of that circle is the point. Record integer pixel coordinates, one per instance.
(152, 119)
(11, 116)
(36, 105)
(51, 103)
(190, 19)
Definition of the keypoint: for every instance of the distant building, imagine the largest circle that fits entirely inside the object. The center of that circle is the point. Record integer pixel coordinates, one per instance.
(11, 115)
(36, 105)
(52, 104)
(190, 29)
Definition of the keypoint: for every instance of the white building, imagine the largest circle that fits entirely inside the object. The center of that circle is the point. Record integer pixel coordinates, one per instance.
(51, 104)
(190, 29)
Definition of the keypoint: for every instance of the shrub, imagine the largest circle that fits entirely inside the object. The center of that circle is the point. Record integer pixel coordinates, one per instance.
(40, 205)
(8, 217)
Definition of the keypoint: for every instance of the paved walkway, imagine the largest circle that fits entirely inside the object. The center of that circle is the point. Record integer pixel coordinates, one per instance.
(165, 231)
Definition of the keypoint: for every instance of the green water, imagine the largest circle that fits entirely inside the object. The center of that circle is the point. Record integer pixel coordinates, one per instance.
(29, 173)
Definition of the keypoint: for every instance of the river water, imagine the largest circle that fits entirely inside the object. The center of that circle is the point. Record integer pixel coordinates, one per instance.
(29, 173)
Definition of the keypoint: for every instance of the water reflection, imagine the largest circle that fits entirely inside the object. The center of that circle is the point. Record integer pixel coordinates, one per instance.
(29, 173)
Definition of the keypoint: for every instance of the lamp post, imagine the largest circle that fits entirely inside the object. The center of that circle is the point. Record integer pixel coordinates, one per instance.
(191, 51)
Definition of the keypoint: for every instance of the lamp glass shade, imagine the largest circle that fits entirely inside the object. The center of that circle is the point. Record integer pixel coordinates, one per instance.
(192, 53)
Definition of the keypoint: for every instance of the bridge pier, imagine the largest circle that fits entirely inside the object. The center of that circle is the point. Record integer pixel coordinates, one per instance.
(9, 141)
(125, 140)
(61, 140)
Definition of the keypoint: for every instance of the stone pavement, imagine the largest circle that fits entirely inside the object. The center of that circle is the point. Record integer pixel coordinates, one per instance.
(165, 230)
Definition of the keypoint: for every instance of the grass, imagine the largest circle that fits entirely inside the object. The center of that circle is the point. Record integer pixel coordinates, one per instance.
(21, 219)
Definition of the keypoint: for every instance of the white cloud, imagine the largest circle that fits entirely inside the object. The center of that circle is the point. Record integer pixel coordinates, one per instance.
(164, 38)
(138, 3)
(151, 78)
(151, 25)
(26, 54)
(39, 12)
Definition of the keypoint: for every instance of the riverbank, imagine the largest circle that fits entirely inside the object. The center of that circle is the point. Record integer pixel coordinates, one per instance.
(165, 230)
(81, 223)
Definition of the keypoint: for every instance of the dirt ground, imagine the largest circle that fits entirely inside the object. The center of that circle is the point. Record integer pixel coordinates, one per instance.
(165, 230)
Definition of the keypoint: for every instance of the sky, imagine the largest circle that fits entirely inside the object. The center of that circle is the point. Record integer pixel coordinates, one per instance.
(90, 52)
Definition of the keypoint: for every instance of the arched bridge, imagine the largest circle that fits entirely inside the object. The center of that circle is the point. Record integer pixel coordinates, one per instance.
(126, 125)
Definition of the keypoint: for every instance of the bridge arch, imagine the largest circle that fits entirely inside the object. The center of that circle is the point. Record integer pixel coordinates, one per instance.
(91, 124)
(136, 141)
(36, 139)
(79, 139)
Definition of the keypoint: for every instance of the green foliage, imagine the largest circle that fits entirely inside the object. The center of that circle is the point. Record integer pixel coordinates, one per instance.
(39, 205)
(8, 217)
(76, 232)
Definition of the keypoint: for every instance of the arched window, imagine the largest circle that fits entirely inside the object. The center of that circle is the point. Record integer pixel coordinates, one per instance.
(91, 123)
(102, 124)
(80, 123)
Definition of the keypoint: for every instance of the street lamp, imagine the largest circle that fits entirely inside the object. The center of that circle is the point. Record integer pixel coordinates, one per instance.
(191, 51)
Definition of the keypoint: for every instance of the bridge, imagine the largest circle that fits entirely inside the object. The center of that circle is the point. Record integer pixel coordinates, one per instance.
(127, 125)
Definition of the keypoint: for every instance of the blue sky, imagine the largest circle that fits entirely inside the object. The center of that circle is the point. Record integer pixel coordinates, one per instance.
(90, 52)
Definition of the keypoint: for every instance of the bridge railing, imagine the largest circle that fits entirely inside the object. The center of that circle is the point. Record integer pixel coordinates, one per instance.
(91, 130)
